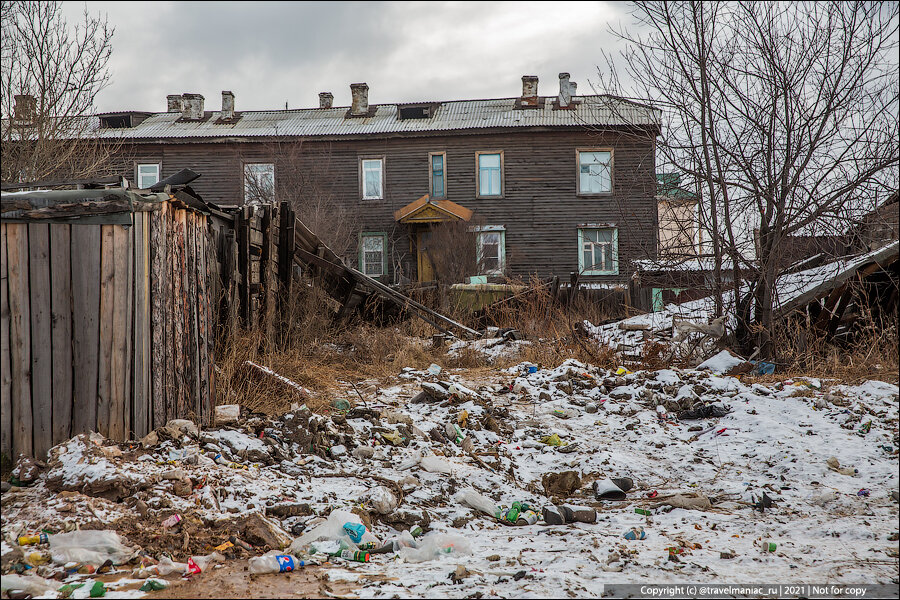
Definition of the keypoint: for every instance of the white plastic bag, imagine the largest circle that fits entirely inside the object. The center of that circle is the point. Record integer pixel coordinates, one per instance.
(473, 499)
(91, 547)
(330, 529)
(434, 464)
(32, 584)
(383, 500)
(436, 545)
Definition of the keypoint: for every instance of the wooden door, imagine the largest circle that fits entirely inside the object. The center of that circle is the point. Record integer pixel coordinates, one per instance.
(425, 268)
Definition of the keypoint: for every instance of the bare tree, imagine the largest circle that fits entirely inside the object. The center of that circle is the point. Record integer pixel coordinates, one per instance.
(51, 73)
(786, 114)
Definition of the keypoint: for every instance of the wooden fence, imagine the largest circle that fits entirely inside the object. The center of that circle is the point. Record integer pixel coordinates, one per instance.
(106, 320)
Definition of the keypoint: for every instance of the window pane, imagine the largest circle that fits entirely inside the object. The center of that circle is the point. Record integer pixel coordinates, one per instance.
(372, 178)
(259, 183)
(147, 176)
(373, 255)
(594, 172)
(495, 182)
(484, 184)
(489, 160)
(437, 162)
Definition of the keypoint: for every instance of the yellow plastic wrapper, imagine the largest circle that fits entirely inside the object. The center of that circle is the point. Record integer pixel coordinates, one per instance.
(552, 440)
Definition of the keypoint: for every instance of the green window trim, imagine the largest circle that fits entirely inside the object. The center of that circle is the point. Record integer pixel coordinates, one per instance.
(384, 253)
(490, 180)
(437, 174)
(582, 268)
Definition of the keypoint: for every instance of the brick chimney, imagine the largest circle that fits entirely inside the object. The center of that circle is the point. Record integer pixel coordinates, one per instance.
(227, 105)
(360, 105)
(192, 106)
(566, 91)
(326, 99)
(529, 90)
(173, 103)
(24, 109)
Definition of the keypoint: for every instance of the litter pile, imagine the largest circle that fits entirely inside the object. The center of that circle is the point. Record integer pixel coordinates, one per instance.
(523, 481)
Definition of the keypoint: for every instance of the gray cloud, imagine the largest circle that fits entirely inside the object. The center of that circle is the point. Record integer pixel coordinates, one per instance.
(271, 52)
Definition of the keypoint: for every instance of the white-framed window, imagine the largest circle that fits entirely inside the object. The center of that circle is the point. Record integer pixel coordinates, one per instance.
(372, 178)
(594, 171)
(373, 253)
(598, 251)
(490, 246)
(490, 173)
(437, 174)
(147, 174)
(259, 183)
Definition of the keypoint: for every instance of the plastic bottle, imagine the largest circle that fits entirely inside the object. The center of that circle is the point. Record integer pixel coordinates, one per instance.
(355, 555)
(196, 564)
(171, 521)
(30, 540)
(274, 563)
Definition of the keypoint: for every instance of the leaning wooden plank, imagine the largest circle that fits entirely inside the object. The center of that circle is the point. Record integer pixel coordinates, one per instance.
(61, 330)
(20, 338)
(86, 246)
(41, 351)
(265, 373)
(107, 314)
(5, 373)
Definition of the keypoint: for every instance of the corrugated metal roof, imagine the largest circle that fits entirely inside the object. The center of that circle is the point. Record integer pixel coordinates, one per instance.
(597, 111)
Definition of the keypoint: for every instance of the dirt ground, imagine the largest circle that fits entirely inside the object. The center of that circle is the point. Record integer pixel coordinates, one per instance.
(234, 581)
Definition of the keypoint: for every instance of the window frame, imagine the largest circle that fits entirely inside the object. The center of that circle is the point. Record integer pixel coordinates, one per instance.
(244, 166)
(478, 193)
(582, 269)
(384, 253)
(612, 179)
(137, 172)
(479, 256)
(431, 155)
(362, 176)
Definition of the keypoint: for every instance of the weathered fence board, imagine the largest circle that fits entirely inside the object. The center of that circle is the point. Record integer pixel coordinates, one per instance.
(61, 329)
(86, 245)
(106, 368)
(5, 374)
(41, 359)
(20, 338)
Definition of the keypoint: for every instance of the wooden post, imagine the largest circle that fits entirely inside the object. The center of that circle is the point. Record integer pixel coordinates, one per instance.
(41, 349)
(20, 338)
(61, 330)
(86, 245)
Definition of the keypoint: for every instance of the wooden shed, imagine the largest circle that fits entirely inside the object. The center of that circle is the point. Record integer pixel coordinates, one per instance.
(106, 314)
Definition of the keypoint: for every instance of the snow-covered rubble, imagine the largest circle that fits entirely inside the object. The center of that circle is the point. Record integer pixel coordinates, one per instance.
(409, 456)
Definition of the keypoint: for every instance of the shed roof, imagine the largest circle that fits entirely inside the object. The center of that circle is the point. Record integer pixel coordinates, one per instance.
(590, 111)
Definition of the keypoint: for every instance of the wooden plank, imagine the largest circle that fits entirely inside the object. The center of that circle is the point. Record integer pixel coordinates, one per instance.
(157, 318)
(41, 349)
(127, 356)
(180, 316)
(120, 328)
(107, 314)
(192, 346)
(211, 324)
(171, 373)
(5, 368)
(61, 330)
(202, 286)
(143, 417)
(86, 246)
(20, 338)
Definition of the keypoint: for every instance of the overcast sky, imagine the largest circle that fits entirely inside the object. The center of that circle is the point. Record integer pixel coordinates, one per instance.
(269, 53)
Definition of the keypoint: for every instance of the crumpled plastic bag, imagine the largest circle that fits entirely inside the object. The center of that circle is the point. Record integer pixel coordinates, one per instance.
(331, 528)
(436, 545)
(91, 547)
(473, 499)
(32, 584)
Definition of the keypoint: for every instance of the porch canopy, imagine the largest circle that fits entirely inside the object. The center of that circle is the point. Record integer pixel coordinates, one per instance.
(428, 210)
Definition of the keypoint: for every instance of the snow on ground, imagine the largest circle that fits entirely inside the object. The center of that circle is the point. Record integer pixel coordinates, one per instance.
(777, 439)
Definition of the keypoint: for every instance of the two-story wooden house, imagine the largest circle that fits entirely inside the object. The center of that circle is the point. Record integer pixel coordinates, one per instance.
(546, 185)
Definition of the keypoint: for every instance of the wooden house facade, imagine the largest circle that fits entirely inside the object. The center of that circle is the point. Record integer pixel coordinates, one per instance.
(545, 185)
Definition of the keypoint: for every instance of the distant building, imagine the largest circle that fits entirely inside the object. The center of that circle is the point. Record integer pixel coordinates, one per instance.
(544, 185)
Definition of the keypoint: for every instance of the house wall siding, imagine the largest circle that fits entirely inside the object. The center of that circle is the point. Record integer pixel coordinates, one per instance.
(540, 207)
